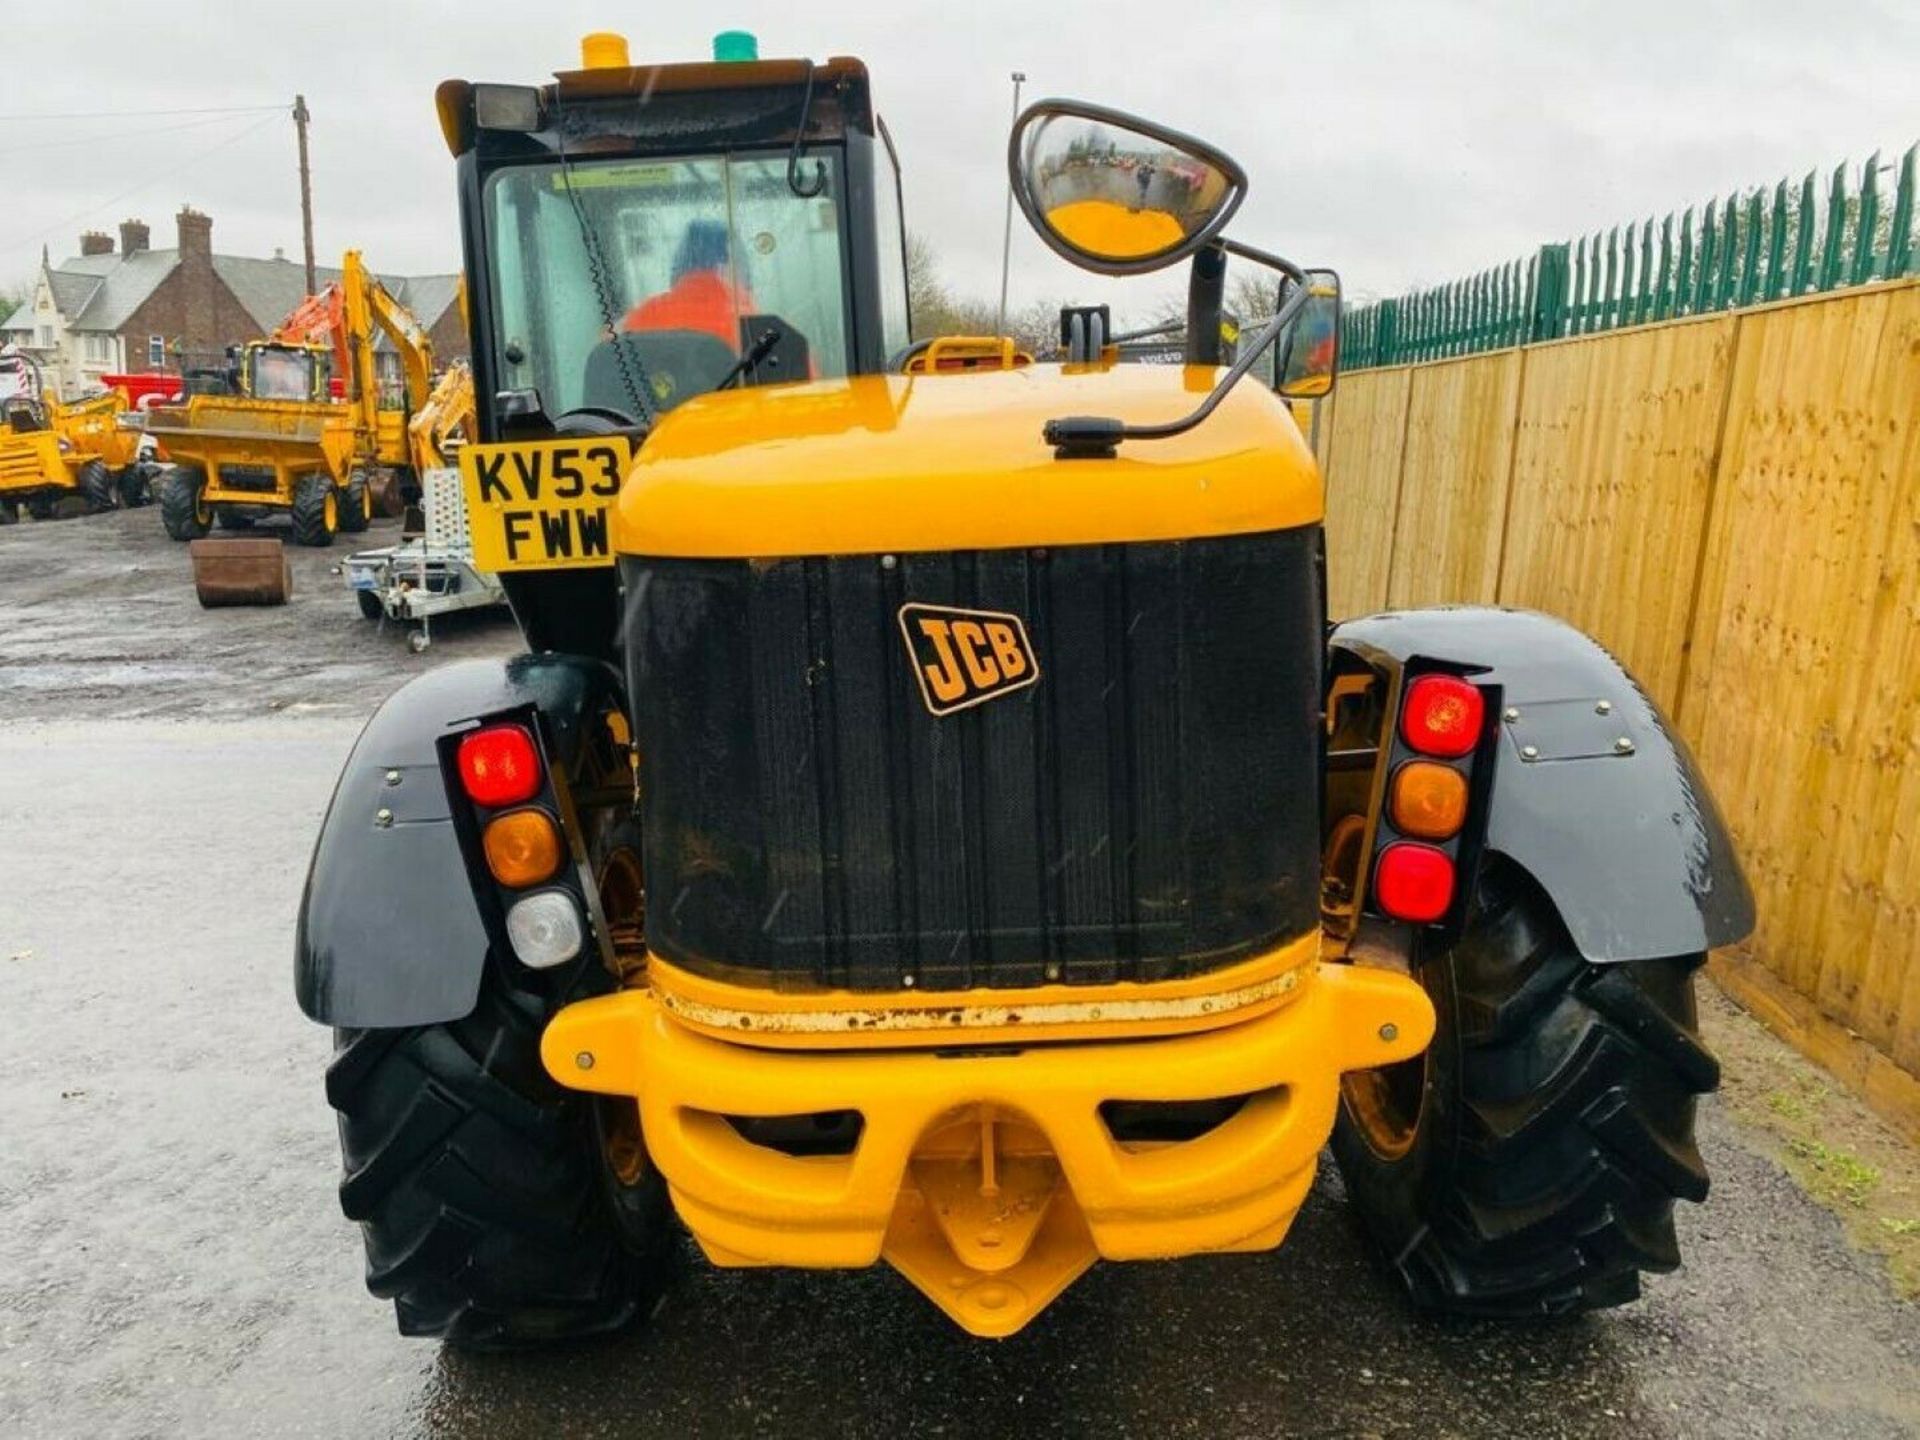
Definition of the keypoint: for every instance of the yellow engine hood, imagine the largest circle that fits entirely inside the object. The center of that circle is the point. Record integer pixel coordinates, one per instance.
(956, 462)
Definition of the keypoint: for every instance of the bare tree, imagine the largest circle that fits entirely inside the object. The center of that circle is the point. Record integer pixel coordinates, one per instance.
(937, 310)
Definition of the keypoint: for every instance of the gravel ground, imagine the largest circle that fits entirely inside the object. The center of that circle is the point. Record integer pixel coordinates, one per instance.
(173, 1261)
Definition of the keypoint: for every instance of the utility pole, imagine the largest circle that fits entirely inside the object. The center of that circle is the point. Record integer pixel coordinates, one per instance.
(1006, 236)
(300, 118)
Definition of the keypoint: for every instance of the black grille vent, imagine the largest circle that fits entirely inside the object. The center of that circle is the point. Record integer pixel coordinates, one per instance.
(1149, 809)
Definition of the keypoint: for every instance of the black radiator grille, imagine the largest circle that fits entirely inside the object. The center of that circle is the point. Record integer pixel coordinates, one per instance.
(1149, 809)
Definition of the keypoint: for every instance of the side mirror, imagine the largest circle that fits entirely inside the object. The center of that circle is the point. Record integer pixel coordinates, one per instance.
(1116, 194)
(1308, 355)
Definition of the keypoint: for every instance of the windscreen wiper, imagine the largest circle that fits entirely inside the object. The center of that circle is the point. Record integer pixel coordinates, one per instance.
(763, 345)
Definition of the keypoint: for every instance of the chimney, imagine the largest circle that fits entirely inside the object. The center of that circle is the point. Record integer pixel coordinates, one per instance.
(196, 235)
(94, 242)
(134, 237)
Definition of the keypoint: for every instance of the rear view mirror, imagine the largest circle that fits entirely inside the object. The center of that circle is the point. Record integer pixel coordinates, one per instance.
(1117, 194)
(1307, 356)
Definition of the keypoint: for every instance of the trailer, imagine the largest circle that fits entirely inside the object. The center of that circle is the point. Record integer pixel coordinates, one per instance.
(428, 575)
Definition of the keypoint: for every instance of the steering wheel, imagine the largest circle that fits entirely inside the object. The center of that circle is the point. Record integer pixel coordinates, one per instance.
(594, 420)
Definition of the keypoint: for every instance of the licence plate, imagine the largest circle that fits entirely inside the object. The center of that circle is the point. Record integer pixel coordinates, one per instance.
(543, 504)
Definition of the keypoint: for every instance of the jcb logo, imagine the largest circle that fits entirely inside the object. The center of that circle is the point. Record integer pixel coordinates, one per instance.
(963, 657)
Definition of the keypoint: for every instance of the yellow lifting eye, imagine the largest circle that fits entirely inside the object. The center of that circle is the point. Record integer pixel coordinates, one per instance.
(522, 847)
(1428, 801)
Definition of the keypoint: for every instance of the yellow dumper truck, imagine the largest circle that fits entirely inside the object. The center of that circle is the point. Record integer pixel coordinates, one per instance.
(282, 444)
(86, 456)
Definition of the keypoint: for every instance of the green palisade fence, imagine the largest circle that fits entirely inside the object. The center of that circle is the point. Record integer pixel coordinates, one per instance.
(1736, 250)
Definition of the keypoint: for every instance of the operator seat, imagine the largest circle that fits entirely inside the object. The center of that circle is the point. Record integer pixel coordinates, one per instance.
(674, 365)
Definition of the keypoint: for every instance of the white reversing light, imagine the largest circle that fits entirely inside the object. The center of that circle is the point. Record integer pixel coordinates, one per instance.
(545, 929)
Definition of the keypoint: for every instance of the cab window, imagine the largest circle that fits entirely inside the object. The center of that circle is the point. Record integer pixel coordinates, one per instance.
(670, 256)
(282, 375)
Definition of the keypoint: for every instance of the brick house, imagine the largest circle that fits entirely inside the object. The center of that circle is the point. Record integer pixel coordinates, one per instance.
(107, 311)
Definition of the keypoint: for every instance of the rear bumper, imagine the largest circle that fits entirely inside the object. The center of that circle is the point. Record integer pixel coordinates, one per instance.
(990, 1179)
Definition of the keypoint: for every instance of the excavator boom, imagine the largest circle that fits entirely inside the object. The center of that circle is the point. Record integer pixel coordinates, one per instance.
(318, 320)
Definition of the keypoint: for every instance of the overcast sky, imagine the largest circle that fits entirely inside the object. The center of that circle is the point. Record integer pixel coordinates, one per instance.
(1404, 141)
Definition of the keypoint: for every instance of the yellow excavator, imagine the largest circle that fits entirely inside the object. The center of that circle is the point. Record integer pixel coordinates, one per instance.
(282, 444)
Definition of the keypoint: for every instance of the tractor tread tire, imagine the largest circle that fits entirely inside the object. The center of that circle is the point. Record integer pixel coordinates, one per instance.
(475, 1179)
(309, 510)
(1558, 1127)
(97, 487)
(180, 503)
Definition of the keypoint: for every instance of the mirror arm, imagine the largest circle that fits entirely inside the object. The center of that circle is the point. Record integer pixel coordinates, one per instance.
(1095, 437)
(1262, 257)
(1206, 296)
(1172, 327)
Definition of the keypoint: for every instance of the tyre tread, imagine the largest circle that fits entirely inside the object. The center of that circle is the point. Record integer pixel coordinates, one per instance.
(1571, 1134)
(473, 1178)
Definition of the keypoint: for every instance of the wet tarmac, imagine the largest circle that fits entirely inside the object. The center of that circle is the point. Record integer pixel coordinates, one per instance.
(173, 1261)
(98, 618)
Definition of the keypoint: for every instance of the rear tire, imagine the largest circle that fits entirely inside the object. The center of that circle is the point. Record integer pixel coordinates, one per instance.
(1554, 1128)
(96, 487)
(353, 504)
(135, 485)
(9, 512)
(479, 1186)
(316, 510)
(370, 606)
(181, 510)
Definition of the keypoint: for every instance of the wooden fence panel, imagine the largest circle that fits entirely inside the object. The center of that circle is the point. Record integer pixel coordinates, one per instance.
(1453, 496)
(1612, 472)
(1361, 445)
(1802, 696)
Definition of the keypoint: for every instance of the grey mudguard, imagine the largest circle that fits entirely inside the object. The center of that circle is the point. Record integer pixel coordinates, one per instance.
(1608, 814)
(389, 931)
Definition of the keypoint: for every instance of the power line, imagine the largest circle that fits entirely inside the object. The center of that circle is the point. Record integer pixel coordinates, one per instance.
(147, 180)
(140, 114)
(98, 139)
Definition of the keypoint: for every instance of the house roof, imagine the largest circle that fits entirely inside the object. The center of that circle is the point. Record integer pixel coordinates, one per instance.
(122, 286)
(269, 289)
(427, 296)
(101, 292)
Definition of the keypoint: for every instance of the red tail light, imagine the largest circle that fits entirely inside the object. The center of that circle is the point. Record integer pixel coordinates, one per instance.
(1414, 883)
(1442, 716)
(499, 765)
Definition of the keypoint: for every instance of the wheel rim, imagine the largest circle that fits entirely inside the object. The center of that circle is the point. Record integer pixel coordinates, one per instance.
(623, 1146)
(623, 900)
(202, 511)
(1386, 1105)
(330, 511)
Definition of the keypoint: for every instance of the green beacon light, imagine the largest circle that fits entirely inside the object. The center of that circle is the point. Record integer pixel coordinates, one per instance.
(734, 45)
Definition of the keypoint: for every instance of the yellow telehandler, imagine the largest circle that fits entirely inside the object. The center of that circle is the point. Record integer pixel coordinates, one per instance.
(933, 821)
